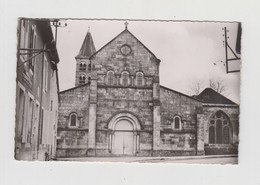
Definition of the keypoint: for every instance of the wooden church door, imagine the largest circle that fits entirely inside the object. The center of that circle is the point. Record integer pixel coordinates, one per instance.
(123, 141)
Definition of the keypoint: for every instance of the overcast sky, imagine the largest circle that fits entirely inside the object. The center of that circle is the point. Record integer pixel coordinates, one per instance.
(187, 50)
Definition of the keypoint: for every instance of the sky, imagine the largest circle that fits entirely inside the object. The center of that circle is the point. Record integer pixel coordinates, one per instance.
(187, 50)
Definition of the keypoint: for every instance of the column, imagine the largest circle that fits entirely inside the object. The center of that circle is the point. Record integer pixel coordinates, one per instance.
(132, 80)
(156, 116)
(200, 134)
(92, 115)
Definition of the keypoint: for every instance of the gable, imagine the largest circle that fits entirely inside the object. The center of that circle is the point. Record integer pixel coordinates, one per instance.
(173, 93)
(80, 88)
(175, 103)
(125, 52)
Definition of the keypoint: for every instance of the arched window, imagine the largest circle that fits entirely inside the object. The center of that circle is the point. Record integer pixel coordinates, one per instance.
(125, 78)
(212, 134)
(73, 120)
(220, 130)
(176, 125)
(110, 77)
(82, 79)
(139, 78)
(226, 137)
(82, 66)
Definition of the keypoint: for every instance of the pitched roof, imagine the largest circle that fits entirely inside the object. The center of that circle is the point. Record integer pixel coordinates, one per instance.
(209, 95)
(44, 27)
(191, 97)
(126, 31)
(87, 48)
(73, 88)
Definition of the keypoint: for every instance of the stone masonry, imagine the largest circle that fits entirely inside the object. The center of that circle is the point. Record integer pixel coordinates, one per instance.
(122, 110)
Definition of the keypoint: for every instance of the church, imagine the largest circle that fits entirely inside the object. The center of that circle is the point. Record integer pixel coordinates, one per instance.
(119, 108)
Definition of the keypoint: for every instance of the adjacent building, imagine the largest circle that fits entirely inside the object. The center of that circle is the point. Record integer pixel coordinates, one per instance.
(36, 91)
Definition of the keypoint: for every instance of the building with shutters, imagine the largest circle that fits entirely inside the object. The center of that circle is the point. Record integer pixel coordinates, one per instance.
(119, 108)
(36, 91)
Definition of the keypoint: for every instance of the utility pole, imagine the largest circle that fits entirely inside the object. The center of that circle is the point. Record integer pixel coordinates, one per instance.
(227, 49)
(56, 23)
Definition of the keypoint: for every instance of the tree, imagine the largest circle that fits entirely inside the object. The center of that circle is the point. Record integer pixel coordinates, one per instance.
(196, 87)
(218, 85)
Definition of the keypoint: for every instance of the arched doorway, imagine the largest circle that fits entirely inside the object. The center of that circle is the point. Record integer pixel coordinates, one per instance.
(123, 140)
(123, 134)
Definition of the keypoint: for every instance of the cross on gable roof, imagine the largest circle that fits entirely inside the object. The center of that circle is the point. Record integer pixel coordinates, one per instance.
(123, 32)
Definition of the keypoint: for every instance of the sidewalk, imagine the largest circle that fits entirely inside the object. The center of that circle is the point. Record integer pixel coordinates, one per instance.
(144, 159)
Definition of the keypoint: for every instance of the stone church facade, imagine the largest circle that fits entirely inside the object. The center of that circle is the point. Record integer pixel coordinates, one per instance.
(119, 108)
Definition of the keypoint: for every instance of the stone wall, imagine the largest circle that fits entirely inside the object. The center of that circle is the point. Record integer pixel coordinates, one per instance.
(116, 97)
(153, 108)
(112, 101)
(140, 59)
(232, 113)
(178, 141)
(72, 141)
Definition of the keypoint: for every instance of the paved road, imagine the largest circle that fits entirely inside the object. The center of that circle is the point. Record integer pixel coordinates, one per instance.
(181, 159)
(224, 160)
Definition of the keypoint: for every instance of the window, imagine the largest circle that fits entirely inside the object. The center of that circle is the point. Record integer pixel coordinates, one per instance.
(41, 127)
(30, 120)
(28, 41)
(21, 112)
(24, 22)
(82, 66)
(73, 120)
(110, 77)
(139, 78)
(176, 123)
(220, 130)
(45, 75)
(212, 134)
(32, 45)
(125, 77)
(36, 119)
(82, 79)
(24, 35)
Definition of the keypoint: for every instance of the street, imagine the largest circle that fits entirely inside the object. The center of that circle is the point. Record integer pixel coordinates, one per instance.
(217, 159)
(224, 160)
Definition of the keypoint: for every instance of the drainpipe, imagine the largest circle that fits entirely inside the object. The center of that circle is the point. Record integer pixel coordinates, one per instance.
(40, 126)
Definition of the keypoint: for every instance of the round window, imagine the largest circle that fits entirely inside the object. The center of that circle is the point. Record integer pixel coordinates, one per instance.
(218, 114)
(125, 50)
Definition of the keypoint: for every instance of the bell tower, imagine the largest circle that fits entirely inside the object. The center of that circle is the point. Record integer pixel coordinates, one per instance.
(82, 60)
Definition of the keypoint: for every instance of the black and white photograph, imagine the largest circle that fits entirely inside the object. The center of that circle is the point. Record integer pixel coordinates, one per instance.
(128, 91)
(140, 92)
